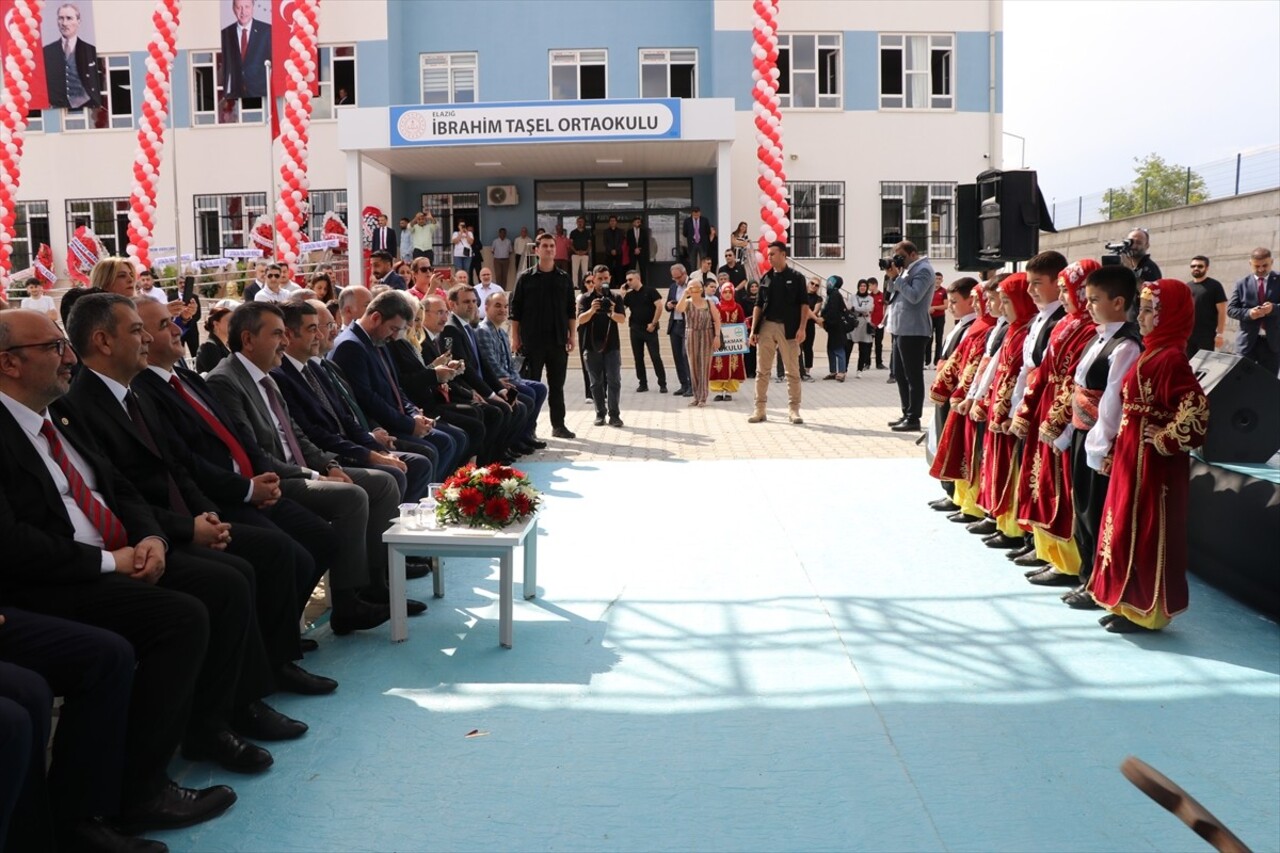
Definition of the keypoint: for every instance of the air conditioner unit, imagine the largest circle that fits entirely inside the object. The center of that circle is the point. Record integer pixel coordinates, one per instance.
(504, 196)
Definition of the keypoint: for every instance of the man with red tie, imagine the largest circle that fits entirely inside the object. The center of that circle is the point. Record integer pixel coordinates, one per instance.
(246, 47)
(384, 237)
(1253, 304)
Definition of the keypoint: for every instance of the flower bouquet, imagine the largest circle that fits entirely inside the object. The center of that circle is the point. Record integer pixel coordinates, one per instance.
(492, 496)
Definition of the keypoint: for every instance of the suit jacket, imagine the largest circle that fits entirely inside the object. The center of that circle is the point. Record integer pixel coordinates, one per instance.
(613, 239)
(55, 73)
(495, 349)
(246, 78)
(371, 379)
(395, 281)
(341, 437)
(637, 248)
(238, 393)
(149, 471)
(385, 243)
(34, 526)
(476, 374)
(419, 381)
(704, 235)
(1244, 297)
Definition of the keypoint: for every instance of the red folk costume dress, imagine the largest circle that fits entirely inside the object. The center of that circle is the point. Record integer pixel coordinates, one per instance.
(952, 384)
(728, 371)
(1044, 484)
(997, 493)
(1140, 571)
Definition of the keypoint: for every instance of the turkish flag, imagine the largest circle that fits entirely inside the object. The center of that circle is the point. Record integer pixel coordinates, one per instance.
(8, 32)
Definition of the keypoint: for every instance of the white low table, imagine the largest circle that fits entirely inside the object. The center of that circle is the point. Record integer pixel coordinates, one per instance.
(461, 542)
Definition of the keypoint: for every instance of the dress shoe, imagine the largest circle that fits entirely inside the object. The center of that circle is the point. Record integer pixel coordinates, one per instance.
(898, 421)
(1021, 552)
(662, 389)
(599, 421)
(615, 422)
(382, 598)
(96, 835)
(892, 380)
(1080, 599)
(640, 389)
(260, 721)
(292, 678)
(562, 432)
(174, 807)
(1048, 577)
(1030, 560)
(308, 645)
(794, 417)
(1121, 625)
(758, 417)
(944, 505)
(228, 750)
(417, 567)
(684, 391)
(985, 527)
(719, 398)
(357, 615)
(536, 444)
(999, 540)
(912, 425)
(960, 518)
(1106, 619)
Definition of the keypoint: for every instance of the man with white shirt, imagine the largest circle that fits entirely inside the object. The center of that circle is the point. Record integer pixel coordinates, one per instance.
(521, 247)
(425, 233)
(501, 249)
(37, 300)
(147, 287)
(487, 286)
(277, 289)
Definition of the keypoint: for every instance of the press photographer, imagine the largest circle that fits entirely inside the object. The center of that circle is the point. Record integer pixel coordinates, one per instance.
(909, 290)
(600, 320)
(1134, 253)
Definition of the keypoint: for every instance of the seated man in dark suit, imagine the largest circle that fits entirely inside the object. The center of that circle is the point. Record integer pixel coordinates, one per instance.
(359, 503)
(92, 670)
(81, 544)
(360, 350)
(495, 350)
(127, 426)
(322, 418)
(459, 337)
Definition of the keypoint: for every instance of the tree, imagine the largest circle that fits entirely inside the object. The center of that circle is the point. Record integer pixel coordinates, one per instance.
(1157, 185)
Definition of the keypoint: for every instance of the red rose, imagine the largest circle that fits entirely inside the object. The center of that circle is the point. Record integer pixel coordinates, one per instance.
(499, 509)
(469, 501)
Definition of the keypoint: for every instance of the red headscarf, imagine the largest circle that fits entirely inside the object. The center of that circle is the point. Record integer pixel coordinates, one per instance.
(727, 293)
(1071, 282)
(1014, 288)
(1174, 314)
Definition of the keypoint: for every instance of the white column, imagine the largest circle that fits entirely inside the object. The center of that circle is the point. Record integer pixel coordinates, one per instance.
(724, 182)
(355, 204)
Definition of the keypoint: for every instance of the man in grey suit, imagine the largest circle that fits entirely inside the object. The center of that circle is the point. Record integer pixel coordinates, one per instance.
(910, 292)
(359, 504)
(1253, 304)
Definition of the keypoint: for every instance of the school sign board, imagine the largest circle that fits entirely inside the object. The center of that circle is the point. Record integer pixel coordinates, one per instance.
(535, 121)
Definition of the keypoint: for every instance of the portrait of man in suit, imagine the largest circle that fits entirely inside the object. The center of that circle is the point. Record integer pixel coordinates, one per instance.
(246, 47)
(71, 63)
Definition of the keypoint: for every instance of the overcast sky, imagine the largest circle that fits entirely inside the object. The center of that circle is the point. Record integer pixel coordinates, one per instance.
(1092, 84)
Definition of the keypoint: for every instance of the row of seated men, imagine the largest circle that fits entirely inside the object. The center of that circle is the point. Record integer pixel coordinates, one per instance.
(163, 532)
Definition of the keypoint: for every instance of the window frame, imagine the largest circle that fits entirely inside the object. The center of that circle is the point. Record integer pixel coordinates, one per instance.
(666, 61)
(822, 250)
(114, 241)
(453, 60)
(787, 87)
(25, 244)
(316, 211)
(940, 225)
(243, 115)
(884, 42)
(253, 205)
(81, 120)
(327, 59)
(578, 63)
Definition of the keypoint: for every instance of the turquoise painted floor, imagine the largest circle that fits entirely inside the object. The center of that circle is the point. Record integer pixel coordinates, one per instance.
(764, 656)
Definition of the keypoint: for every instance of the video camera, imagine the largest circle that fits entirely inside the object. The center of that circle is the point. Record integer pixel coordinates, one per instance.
(1117, 249)
(894, 261)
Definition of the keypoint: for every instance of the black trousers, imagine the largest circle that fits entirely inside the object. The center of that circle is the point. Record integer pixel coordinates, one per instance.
(556, 361)
(1088, 494)
(465, 417)
(169, 632)
(908, 365)
(939, 325)
(273, 557)
(92, 669)
(313, 537)
(680, 356)
(642, 339)
(806, 348)
(877, 339)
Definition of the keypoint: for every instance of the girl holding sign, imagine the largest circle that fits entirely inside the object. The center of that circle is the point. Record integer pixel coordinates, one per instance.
(728, 371)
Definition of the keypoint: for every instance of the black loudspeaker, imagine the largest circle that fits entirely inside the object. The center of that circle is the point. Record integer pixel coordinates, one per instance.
(1244, 408)
(968, 234)
(1011, 215)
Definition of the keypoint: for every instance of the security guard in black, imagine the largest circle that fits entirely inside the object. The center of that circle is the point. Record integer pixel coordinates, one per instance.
(782, 299)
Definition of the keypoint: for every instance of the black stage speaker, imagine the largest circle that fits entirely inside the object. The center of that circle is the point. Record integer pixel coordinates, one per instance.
(1244, 408)
(968, 234)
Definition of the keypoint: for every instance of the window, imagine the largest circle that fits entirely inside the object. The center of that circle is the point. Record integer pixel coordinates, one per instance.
(35, 121)
(450, 78)
(915, 72)
(323, 201)
(337, 81)
(448, 209)
(921, 213)
(579, 75)
(817, 218)
(809, 71)
(225, 221)
(115, 99)
(106, 217)
(668, 73)
(31, 228)
(209, 104)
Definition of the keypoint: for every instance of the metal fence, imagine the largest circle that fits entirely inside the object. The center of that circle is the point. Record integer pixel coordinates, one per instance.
(1244, 173)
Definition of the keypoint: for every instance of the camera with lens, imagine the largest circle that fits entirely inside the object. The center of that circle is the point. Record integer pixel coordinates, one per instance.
(606, 300)
(895, 261)
(1116, 250)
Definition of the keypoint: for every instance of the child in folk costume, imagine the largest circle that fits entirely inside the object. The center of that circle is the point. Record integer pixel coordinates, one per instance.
(728, 371)
(949, 390)
(1141, 575)
(975, 431)
(1044, 487)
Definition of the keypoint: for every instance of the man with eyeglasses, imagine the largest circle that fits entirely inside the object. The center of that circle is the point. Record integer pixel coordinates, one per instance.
(486, 286)
(1210, 303)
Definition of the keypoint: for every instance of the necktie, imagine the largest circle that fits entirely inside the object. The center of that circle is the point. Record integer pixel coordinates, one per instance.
(113, 535)
(319, 391)
(696, 238)
(244, 43)
(384, 359)
(234, 447)
(344, 392)
(176, 503)
(286, 428)
(1262, 290)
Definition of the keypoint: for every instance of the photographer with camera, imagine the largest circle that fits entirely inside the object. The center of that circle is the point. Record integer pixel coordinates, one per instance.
(909, 290)
(1136, 256)
(600, 320)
